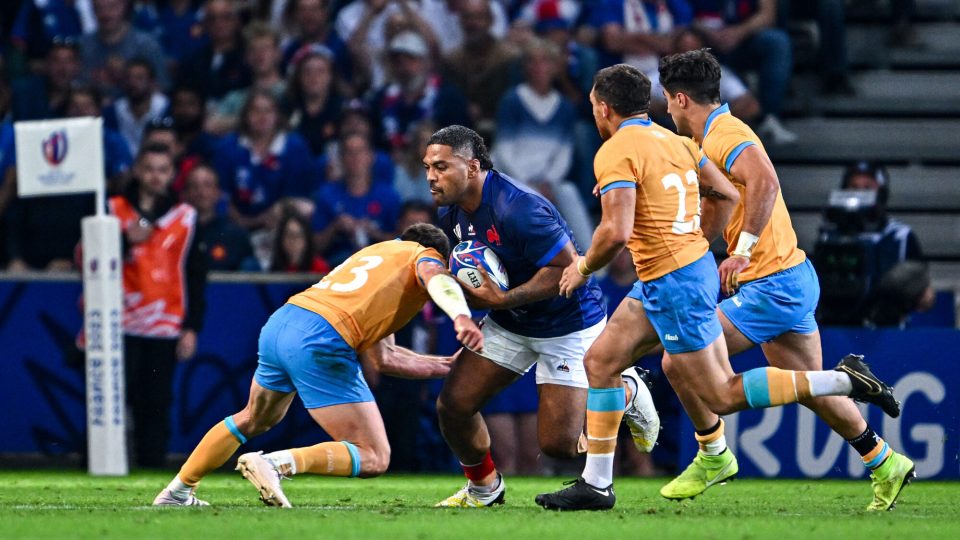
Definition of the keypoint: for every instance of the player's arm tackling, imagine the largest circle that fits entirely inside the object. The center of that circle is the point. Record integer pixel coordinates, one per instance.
(448, 296)
(391, 359)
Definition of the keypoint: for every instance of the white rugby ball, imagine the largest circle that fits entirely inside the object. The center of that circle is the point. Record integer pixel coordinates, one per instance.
(467, 256)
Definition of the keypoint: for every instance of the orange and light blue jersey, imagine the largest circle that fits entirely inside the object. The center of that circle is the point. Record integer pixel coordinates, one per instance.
(664, 168)
(725, 137)
(373, 293)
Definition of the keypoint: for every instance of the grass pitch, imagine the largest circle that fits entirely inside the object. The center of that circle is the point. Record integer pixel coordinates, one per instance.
(72, 505)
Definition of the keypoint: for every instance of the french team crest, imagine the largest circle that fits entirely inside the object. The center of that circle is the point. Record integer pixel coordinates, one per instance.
(55, 148)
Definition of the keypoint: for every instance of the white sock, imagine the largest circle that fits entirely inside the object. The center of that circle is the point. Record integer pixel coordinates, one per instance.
(178, 489)
(829, 383)
(486, 489)
(716, 447)
(283, 461)
(598, 472)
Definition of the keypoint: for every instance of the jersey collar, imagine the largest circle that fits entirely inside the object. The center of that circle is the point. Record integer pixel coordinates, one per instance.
(716, 112)
(635, 122)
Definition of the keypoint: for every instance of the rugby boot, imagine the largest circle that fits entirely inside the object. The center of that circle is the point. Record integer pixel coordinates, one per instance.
(703, 472)
(470, 497)
(265, 477)
(889, 479)
(578, 496)
(867, 388)
(166, 498)
(641, 414)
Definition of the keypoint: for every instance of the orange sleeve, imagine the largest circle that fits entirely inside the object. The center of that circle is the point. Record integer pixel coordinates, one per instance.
(614, 168)
(429, 254)
(725, 144)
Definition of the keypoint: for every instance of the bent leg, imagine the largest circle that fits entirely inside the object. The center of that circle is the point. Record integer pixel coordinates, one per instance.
(359, 446)
(802, 352)
(265, 408)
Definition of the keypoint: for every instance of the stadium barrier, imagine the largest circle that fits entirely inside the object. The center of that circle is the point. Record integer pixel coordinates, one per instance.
(42, 395)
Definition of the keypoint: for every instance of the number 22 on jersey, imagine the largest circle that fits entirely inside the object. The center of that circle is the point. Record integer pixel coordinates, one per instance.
(680, 224)
(359, 268)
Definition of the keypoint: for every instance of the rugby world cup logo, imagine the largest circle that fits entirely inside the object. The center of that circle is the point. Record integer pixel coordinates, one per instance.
(55, 148)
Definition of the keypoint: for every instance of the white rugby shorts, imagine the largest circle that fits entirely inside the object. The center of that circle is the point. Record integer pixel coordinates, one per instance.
(559, 359)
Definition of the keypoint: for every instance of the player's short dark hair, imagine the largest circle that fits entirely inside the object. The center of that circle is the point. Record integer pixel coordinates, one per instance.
(625, 89)
(465, 142)
(428, 235)
(695, 73)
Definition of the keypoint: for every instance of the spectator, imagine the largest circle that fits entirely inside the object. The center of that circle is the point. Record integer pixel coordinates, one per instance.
(263, 164)
(40, 23)
(310, 21)
(314, 100)
(187, 111)
(105, 52)
(858, 244)
(353, 212)
(415, 93)
(733, 91)
(164, 276)
(117, 159)
(443, 16)
(263, 63)
(218, 66)
(141, 102)
(482, 65)
(744, 36)
(355, 120)
(535, 136)
(293, 249)
(576, 80)
(226, 245)
(638, 32)
(40, 97)
(410, 178)
(175, 24)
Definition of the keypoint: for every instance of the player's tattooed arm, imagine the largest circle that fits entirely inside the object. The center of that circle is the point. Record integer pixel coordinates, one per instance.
(716, 208)
(544, 284)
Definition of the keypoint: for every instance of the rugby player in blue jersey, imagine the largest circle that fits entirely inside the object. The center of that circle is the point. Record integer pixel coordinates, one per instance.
(528, 324)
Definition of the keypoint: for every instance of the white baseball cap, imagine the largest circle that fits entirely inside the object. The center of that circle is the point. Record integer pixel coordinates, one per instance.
(410, 43)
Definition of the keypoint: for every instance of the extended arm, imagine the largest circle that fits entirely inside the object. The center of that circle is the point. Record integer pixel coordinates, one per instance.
(391, 359)
(544, 284)
(616, 226)
(447, 294)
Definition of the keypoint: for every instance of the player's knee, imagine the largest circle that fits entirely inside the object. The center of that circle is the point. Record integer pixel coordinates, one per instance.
(252, 424)
(598, 368)
(374, 462)
(451, 408)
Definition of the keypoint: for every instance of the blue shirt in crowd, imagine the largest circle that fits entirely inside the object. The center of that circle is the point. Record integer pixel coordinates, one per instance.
(253, 184)
(180, 34)
(526, 232)
(380, 204)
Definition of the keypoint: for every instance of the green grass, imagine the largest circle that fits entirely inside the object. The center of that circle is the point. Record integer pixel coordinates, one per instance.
(72, 505)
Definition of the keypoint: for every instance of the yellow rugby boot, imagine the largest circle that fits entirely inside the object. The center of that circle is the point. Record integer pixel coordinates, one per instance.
(705, 471)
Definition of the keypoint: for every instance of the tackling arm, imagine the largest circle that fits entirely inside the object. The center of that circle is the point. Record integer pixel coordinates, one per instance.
(391, 359)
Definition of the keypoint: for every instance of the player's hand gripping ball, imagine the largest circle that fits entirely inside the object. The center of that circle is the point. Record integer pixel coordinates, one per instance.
(468, 256)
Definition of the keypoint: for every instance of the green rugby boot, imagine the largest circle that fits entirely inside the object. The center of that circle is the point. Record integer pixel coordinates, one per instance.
(704, 472)
(889, 479)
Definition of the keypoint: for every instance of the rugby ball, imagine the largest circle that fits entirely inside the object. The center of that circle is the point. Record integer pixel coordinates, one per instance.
(467, 256)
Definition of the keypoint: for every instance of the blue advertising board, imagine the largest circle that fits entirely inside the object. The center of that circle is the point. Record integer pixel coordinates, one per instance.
(42, 394)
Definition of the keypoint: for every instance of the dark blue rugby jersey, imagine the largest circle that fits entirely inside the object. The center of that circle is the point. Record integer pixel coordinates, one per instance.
(526, 232)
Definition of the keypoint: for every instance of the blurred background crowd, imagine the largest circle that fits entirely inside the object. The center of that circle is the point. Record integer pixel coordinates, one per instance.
(297, 127)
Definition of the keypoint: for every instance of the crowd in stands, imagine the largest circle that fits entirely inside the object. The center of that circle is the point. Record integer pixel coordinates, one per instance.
(298, 126)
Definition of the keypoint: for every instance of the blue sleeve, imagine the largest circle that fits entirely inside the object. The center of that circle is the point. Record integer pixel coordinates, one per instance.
(323, 210)
(224, 162)
(605, 12)
(300, 175)
(116, 155)
(391, 209)
(538, 225)
(681, 11)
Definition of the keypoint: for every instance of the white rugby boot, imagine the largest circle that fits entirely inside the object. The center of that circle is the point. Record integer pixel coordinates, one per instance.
(641, 415)
(265, 477)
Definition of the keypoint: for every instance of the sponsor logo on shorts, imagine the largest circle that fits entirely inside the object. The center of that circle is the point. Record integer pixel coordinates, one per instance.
(562, 366)
(736, 301)
(671, 337)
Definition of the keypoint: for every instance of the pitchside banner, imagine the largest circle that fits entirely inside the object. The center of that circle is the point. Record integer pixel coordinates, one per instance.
(56, 157)
(792, 441)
